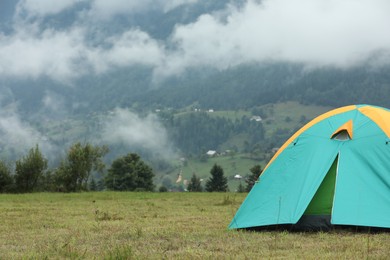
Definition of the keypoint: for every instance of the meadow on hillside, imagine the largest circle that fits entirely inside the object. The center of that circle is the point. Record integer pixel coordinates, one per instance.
(114, 225)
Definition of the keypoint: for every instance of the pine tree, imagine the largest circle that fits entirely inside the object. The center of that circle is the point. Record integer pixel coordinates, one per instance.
(252, 178)
(217, 182)
(194, 184)
(240, 188)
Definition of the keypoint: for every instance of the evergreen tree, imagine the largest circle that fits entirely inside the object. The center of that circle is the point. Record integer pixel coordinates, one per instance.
(252, 178)
(217, 182)
(240, 188)
(194, 184)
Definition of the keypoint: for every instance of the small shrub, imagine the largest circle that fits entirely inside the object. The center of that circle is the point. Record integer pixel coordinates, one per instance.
(163, 189)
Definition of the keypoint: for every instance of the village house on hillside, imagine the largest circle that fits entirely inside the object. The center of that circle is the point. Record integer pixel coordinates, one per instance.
(256, 118)
(212, 153)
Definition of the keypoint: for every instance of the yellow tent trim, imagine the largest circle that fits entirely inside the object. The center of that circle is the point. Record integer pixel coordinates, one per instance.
(308, 125)
(380, 116)
(348, 126)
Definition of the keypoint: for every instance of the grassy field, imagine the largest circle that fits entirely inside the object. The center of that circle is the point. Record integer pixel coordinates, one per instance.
(110, 225)
(290, 115)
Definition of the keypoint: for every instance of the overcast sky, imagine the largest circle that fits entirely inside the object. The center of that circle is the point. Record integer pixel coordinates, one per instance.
(340, 33)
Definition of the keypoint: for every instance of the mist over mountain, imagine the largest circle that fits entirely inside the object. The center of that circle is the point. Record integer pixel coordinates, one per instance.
(95, 61)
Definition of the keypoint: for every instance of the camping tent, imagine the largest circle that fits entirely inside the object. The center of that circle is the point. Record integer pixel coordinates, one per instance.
(335, 170)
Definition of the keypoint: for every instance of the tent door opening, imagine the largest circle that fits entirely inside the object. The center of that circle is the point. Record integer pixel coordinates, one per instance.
(317, 215)
(322, 201)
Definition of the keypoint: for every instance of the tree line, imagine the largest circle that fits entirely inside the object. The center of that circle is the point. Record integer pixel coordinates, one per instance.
(74, 173)
(218, 182)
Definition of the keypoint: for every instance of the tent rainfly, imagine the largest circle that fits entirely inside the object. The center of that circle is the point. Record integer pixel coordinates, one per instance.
(334, 171)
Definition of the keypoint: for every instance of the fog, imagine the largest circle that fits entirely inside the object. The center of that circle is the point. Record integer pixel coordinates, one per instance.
(313, 32)
(126, 128)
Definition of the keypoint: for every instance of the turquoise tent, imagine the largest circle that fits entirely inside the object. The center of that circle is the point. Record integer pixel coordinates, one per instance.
(333, 171)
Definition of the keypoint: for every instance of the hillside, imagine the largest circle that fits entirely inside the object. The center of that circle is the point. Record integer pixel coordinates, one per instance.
(239, 88)
(236, 155)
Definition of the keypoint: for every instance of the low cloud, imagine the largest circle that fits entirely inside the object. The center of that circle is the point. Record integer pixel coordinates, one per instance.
(20, 136)
(311, 32)
(48, 53)
(125, 127)
(316, 33)
(170, 5)
(54, 106)
(103, 9)
(44, 7)
(133, 47)
(65, 55)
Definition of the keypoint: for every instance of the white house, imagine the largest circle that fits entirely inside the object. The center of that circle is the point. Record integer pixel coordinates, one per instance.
(256, 118)
(211, 153)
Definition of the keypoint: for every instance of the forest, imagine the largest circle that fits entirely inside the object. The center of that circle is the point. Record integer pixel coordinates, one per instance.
(196, 132)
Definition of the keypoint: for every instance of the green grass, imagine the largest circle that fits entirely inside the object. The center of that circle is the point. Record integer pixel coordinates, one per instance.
(231, 114)
(278, 114)
(111, 225)
(228, 114)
